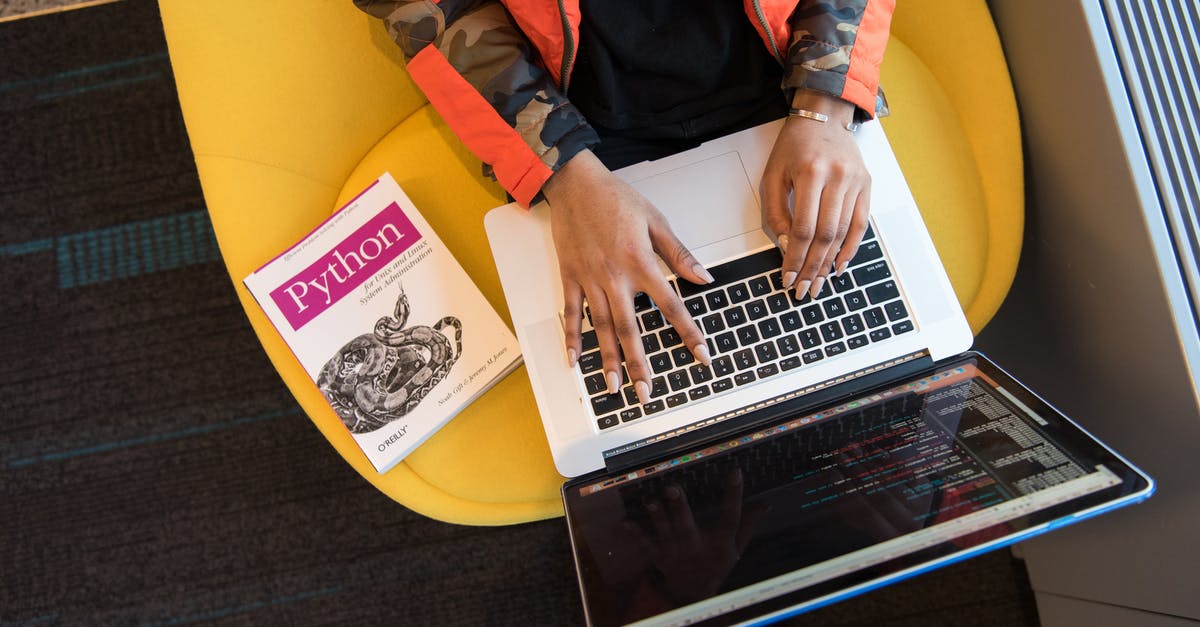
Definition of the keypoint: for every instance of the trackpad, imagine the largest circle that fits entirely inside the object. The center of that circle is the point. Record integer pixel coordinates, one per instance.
(707, 201)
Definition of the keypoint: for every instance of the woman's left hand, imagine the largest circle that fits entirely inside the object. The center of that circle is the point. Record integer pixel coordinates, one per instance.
(822, 167)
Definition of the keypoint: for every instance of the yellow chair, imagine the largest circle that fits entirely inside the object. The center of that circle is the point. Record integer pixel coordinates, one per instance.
(292, 108)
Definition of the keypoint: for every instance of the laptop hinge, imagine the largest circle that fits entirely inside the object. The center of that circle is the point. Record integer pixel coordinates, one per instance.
(752, 417)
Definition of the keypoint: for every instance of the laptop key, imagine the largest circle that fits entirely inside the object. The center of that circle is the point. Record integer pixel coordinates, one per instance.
(607, 421)
(658, 387)
(833, 307)
(855, 300)
(652, 320)
(872, 272)
(874, 317)
(720, 385)
(878, 335)
(778, 302)
(813, 355)
(776, 280)
(630, 395)
(836, 348)
(812, 314)
(831, 331)
(756, 309)
(675, 400)
(857, 341)
(712, 323)
(748, 266)
(790, 363)
(769, 328)
(768, 370)
(678, 380)
(695, 306)
(809, 338)
(700, 373)
(698, 393)
(882, 292)
(853, 324)
(589, 341)
(641, 302)
(866, 252)
(735, 316)
(788, 345)
(716, 300)
(738, 293)
(659, 362)
(895, 310)
(682, 356)
(744, 378)
(633, 413)
(653, 407)
(726, 342)
(723, 365)
(747, 335)
(670, 337)
(607, 403)
(595, 384)
(760, 285)
(841, 282)
(744, 359)
(791, 321)
(766, 352)
(590, 362)
(902, 327)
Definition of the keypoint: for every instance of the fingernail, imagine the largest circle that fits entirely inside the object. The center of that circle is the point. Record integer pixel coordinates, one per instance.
(701, 353)
(643, 392)
(842, 267)
(802, 289)
(571, 357)
(614, 381)
(816, 286)
(789, 278)
(783, 243)
(702, 273)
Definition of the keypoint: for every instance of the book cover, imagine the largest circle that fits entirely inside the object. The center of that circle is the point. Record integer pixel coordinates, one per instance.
(385, 321)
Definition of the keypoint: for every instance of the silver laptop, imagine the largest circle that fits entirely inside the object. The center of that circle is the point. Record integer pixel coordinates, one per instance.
(893, 305)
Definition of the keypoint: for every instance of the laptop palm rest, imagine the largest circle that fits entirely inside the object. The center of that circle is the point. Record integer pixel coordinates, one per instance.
(710, 204)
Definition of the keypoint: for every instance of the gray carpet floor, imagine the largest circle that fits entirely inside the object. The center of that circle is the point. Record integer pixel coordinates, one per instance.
(153, 468)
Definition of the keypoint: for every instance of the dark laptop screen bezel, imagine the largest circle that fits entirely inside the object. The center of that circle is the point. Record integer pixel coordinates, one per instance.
(1134, 486)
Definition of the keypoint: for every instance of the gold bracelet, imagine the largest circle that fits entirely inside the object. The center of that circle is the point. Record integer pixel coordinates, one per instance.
(819, 117)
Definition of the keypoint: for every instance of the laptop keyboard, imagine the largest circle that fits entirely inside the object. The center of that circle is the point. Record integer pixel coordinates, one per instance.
(755, 331)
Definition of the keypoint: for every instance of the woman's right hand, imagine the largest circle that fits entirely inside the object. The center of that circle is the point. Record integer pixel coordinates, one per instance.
(607, 236)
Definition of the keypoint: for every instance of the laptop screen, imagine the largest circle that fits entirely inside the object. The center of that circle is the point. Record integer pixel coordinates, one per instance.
(957, 459)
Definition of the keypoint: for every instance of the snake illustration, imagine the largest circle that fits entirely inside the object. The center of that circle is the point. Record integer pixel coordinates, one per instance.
(379, 377)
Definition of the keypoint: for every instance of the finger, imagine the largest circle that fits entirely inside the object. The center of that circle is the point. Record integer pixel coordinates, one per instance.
(677, 315)
(658, 519)
(776, 217)
(823, 237)
(806, 202)
(858, 227)
(731, 503)
(626, 327)
(572, 320)
(750, 519)
(610, 350)
(677, 257)
(828, 266)
(681, 514)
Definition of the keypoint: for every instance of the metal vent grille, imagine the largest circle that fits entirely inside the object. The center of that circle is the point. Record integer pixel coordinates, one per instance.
(1159, 53)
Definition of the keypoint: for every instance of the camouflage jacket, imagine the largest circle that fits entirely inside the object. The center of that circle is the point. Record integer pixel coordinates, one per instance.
(497, 70)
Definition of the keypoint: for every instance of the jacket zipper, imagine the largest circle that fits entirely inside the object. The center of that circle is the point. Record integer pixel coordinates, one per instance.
(762, 20)
(568, 48)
